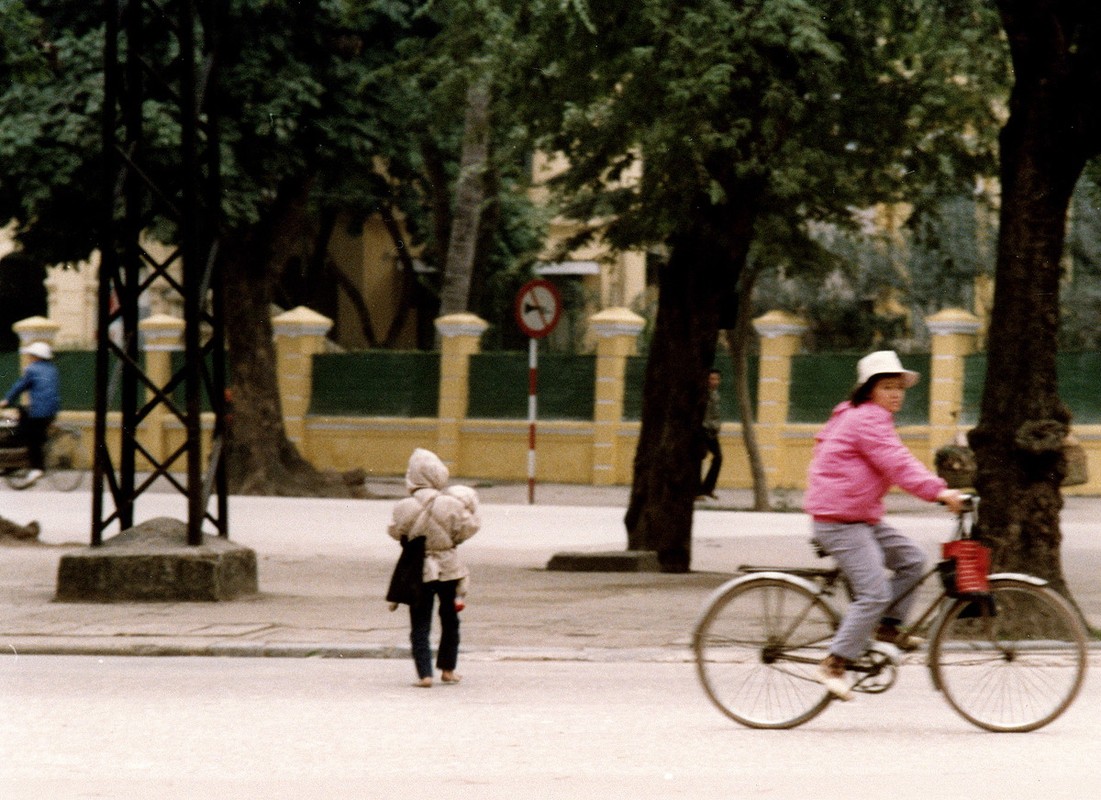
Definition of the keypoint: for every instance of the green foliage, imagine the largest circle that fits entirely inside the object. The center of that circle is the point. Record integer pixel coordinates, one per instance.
(663, 109)
(804, 109)
(830, 103)
(50, 99)
(849, 279)
(22, 295)
(446, 46)
(1081, 300)
(346, 98)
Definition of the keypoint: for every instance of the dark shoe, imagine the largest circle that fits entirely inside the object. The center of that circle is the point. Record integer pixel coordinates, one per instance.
(30, 531)
(831, 674)
(903, 641)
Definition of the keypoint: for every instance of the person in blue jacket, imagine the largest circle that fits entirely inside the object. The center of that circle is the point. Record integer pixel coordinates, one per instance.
(42, 384)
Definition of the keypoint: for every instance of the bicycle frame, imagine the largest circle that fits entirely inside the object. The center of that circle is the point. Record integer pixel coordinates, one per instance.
(1013, 662)
(939, 605)
(822, 582)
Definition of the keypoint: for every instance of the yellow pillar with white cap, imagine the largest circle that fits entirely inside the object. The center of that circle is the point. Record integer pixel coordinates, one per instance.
(31, 330)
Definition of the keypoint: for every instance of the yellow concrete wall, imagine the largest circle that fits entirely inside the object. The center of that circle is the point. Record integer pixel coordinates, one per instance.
(497, 451)
(380, 445)
(600, 452)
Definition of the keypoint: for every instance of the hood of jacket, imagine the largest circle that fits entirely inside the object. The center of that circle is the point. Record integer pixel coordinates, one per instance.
(425, 471)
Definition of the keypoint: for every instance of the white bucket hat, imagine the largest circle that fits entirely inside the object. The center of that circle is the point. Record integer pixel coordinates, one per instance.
(883, 362)
(38, 350)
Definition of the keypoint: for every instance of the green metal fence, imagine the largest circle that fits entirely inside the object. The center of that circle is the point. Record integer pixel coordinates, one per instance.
(77, 369)
(406, 384)
(1079, 376)
(499, 386)
(376, 383)
(635, 375)
(821, 381)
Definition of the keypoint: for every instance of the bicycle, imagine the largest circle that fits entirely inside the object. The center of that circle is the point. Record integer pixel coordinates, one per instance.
(1010, 659)
(63, 454)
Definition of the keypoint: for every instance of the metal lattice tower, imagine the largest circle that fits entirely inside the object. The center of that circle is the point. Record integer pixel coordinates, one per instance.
(159, 65)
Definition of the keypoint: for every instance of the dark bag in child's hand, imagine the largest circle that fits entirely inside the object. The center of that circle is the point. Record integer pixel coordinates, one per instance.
(407, 582)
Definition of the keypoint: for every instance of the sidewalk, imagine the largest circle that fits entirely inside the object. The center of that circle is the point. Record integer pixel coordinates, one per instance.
(323, 567)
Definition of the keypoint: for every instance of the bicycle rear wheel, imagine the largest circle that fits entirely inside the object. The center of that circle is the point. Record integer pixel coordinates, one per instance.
(1014, 662)
(757, 648)
(64, 457)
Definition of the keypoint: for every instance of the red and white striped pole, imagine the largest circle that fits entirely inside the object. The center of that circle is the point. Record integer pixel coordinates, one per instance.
(533, 363)
(538, 306)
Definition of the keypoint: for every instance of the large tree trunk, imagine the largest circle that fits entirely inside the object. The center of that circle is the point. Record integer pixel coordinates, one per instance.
(259, 457)
(667, 459)
(1022, 424)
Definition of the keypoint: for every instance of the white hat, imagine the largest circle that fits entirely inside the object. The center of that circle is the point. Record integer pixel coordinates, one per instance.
(38, 350)
(883, 362)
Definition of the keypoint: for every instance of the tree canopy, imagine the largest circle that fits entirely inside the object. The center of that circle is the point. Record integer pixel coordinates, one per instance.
(331, 112)
(705, 128)
(829, 105)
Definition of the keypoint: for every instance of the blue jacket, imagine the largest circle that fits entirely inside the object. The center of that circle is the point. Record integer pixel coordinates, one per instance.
(40, 379)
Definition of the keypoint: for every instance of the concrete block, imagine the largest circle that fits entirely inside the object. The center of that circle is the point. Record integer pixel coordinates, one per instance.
(610, 561)
(153, 562)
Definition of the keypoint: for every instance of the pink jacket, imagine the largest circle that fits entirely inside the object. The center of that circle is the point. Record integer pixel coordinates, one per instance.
(858, 456)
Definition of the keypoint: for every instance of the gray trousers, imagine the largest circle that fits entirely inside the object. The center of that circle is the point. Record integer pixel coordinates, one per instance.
(865, 553)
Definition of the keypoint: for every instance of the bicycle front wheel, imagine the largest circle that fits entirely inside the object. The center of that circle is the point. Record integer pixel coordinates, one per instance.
(64, 457)
(1013, 662)
(757, 648)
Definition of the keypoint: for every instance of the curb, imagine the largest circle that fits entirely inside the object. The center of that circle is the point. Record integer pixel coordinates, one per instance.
(341, 651)
(673, 654)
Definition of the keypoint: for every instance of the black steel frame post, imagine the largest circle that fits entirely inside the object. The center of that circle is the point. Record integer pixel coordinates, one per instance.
(160, 58)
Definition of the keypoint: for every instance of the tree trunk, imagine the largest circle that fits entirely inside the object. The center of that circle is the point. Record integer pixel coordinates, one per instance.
(470, 196)
(1023, 422)
(667, 460)
(260, 460)
(737, 342)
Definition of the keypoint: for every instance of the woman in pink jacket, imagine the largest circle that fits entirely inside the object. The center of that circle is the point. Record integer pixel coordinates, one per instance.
(858, 457)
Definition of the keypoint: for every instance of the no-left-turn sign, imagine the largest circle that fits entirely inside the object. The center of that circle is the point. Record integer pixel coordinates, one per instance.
(538, 307)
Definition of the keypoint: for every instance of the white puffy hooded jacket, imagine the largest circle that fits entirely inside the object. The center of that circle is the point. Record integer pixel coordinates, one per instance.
(444, 520)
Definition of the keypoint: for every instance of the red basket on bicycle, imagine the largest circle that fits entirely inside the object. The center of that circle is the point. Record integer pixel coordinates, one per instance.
(970, 566)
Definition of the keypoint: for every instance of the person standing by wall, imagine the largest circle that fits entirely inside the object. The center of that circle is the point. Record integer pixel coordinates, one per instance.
(42, 383)
(712, 423)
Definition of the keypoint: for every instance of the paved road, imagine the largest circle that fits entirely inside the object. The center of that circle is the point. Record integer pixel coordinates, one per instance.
(85, 727)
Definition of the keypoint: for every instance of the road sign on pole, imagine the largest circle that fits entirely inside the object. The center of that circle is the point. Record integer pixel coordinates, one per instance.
(538, 307)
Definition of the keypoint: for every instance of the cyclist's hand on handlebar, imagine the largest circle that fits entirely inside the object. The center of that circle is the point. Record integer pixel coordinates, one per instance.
(952, 498)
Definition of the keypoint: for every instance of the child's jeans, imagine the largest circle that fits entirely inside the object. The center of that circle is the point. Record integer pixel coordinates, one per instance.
(420, 619)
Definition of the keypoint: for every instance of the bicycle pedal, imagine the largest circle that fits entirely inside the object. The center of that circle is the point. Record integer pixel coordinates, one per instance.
(880, 681)
(879, 666)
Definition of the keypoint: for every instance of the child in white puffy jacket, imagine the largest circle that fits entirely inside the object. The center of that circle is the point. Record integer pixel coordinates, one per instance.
(445, 517)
